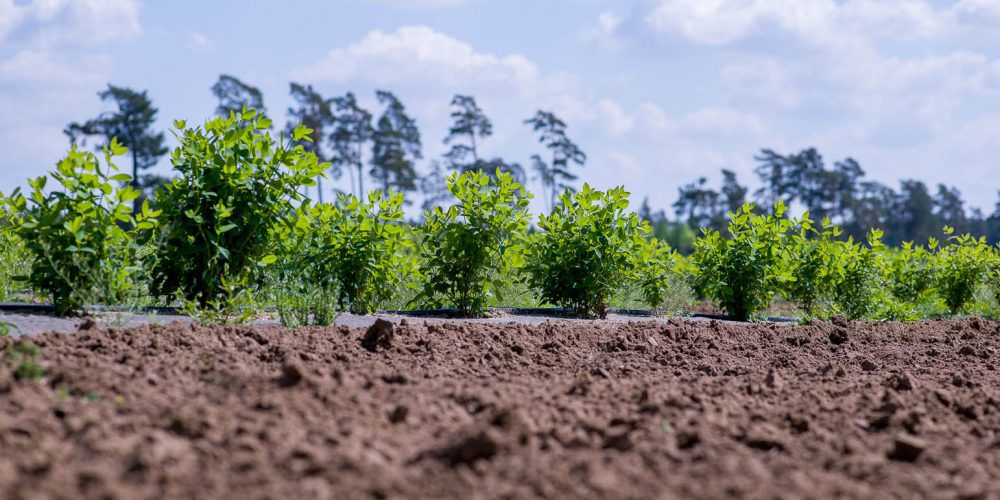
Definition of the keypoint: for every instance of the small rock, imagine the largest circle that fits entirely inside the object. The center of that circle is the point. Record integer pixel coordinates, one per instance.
(967, 351)
(868, 365)
(88, 324)
(899, 382)
(906, 448)
(773, 380)
(398, 414)
(838, 336)
(619, 441)
(378, 336)
(469, 449)
(291, 374)
(404, 322)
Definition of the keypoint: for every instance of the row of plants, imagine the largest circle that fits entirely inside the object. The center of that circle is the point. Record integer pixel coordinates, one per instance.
(232, 231)
(769, 255)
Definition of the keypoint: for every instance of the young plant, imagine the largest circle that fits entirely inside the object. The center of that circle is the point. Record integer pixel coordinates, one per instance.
(349, 251)
(587, 249)
(813, 256)
(861, 292)
(23, 355)
(15, 261)
(913, 271)
(467, 250)
(962, 266)
(81, 234)
(744, 270)
(654, 272)
(236, 183)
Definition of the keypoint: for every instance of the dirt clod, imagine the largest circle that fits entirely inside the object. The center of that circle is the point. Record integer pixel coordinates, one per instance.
(378, 336)
(838, 336)
(906, 448)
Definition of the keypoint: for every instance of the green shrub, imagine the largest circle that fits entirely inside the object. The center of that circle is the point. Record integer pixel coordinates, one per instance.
(236, 184)
(15, 262)
(81, 234)
(962, 266)
(467, 250)
(861, 292)
(654, 270)
(349, 252)
(745, 270)
(913, 272)
(588, 248)
(813, 257)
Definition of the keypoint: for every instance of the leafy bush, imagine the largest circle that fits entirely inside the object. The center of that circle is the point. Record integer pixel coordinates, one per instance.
(81, 235)
(467, 249)
(587, 249)
(913, 271)
(15, 262)
(962, 266)
(745, 270)
(655, 261)
(861, 292)
(813, 258)
(236, 184)
(348, 252)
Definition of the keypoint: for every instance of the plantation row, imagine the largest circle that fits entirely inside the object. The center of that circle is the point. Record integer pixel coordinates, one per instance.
(232, 232)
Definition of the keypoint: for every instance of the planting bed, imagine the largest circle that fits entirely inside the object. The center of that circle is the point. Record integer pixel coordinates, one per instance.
(645, 409)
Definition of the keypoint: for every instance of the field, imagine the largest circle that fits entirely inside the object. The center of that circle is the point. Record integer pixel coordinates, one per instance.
(563, 409)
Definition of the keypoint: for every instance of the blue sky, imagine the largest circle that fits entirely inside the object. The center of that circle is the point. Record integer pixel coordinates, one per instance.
(656, 92)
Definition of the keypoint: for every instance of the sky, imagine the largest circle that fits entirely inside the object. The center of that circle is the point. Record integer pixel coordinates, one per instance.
(656, 92)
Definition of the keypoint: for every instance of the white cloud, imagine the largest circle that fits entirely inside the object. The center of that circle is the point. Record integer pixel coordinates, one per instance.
(77, 21)
(716, 120)
(34, 66)
(11, 16)
(822, 22)
(623, 161)
(605, 30)
(647, 117)
(420, 54)
(198, 42)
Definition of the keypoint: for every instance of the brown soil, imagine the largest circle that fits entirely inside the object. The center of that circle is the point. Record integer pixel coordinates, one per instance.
(671, 409)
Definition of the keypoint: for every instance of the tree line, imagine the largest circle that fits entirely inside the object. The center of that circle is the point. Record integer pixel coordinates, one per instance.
(350, 138)
(839, 192)
(386, 150)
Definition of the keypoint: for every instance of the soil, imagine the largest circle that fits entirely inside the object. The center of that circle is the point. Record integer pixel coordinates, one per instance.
(673, 409)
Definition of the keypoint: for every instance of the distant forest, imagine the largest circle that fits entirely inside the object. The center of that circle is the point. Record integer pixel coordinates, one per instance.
(385, 150)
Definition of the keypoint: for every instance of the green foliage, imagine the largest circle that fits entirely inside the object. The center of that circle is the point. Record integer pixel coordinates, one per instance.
(132, 124)
(813, 258)
(861, 292)
(354, 246)
(467, 249)
(743, 271)
(236, 184)
(15, 261)
(587, 249)
(962, 265)
(81, 234)
(23, 355)
(913, 271)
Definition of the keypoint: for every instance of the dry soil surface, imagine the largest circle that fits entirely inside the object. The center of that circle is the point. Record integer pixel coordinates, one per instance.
(595, 409)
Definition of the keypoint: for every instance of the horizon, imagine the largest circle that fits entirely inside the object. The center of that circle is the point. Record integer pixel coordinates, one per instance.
(657, 93)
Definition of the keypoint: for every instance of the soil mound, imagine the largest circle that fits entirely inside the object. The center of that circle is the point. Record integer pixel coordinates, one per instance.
(558, 410)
